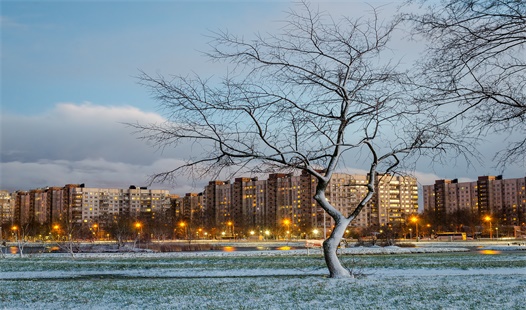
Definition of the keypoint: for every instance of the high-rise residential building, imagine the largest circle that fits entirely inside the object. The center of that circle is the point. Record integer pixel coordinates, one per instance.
(285, 206)
(396, 198)
(56, 204)
(291, 205)
(248, 203)
(21, 212)
(6, 208)
(218, 208)
(345, 192)
(191, 209)
(502, 199)
(75, 203)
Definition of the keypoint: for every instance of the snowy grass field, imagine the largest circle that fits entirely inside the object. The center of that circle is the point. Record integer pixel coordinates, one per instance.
(491, 278)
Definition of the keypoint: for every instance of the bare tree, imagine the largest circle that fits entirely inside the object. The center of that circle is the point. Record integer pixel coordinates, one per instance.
(309, 99)
(66, 235)
(21, 237)
(476, 64)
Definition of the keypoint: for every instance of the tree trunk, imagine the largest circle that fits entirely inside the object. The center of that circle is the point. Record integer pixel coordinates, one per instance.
(330, 248)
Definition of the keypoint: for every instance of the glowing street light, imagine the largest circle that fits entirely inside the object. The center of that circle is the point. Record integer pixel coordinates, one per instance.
(138, 225)
(15, 232)
(287, 223)
(414, 219)
(230, 223)
(487, 218)
(96, 230)
(184, 228)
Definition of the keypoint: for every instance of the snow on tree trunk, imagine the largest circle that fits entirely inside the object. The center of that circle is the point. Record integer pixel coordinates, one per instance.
(330, 248)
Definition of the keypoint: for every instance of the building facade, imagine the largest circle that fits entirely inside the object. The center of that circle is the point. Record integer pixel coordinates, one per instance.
(75, 203)
(284, 203)
(504, 200)
(281, 206)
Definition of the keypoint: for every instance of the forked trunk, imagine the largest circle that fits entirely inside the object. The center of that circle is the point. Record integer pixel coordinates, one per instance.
(330, 248)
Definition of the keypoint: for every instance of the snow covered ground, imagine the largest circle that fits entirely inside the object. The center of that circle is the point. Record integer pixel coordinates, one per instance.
(430, 276)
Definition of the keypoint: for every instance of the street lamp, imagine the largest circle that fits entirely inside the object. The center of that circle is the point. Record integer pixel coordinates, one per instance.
(315, 232)
(414, 219)
(56, 228)
(232, 230)
(487, 218)
(96, 230)
(15, 231)
(287, 223)
(184, 229)
(138, 225)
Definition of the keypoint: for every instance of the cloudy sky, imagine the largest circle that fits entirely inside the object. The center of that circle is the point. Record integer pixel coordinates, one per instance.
(68, 83)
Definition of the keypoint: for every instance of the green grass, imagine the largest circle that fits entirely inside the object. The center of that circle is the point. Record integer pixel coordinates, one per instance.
(310, 290)
(463, 260)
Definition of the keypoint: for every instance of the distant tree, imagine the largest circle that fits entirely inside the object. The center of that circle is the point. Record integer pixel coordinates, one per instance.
(161, 225)
(321, 93)
(475, 64)
(67, 235)
(120, 229)
(20, 236)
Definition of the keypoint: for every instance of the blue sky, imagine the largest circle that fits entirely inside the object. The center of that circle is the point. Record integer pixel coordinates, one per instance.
(91, 50)
(68, 82)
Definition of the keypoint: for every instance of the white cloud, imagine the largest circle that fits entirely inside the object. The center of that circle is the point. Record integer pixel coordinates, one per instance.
(82, 143)
(88, 143)
(73, 132)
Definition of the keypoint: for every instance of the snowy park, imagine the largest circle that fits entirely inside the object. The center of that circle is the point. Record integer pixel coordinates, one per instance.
(431, 275)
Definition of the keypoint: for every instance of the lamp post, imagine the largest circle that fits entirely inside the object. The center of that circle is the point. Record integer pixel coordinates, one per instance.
(315, 232)
(487, 218)
(414, 219)
(138, 225)
(232, 229)
(56, 228)
(15, 232)
(96, 230)
(184, 229)
(287, 223)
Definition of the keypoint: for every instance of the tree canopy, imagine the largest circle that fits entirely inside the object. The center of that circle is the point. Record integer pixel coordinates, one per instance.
(475, 63)
(321, 92)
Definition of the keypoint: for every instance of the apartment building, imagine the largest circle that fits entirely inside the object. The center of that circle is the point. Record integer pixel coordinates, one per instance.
(76, 203)
(284, 202)
(189, 208)
(504, 199)
(249, 200)
(218, 207)
(396, 198)
(6, 208)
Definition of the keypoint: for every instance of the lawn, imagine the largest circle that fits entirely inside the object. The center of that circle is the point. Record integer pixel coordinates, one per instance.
(466, 280)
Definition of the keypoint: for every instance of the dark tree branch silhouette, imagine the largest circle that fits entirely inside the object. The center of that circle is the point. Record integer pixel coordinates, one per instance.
(302, 100)
(476, 64)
